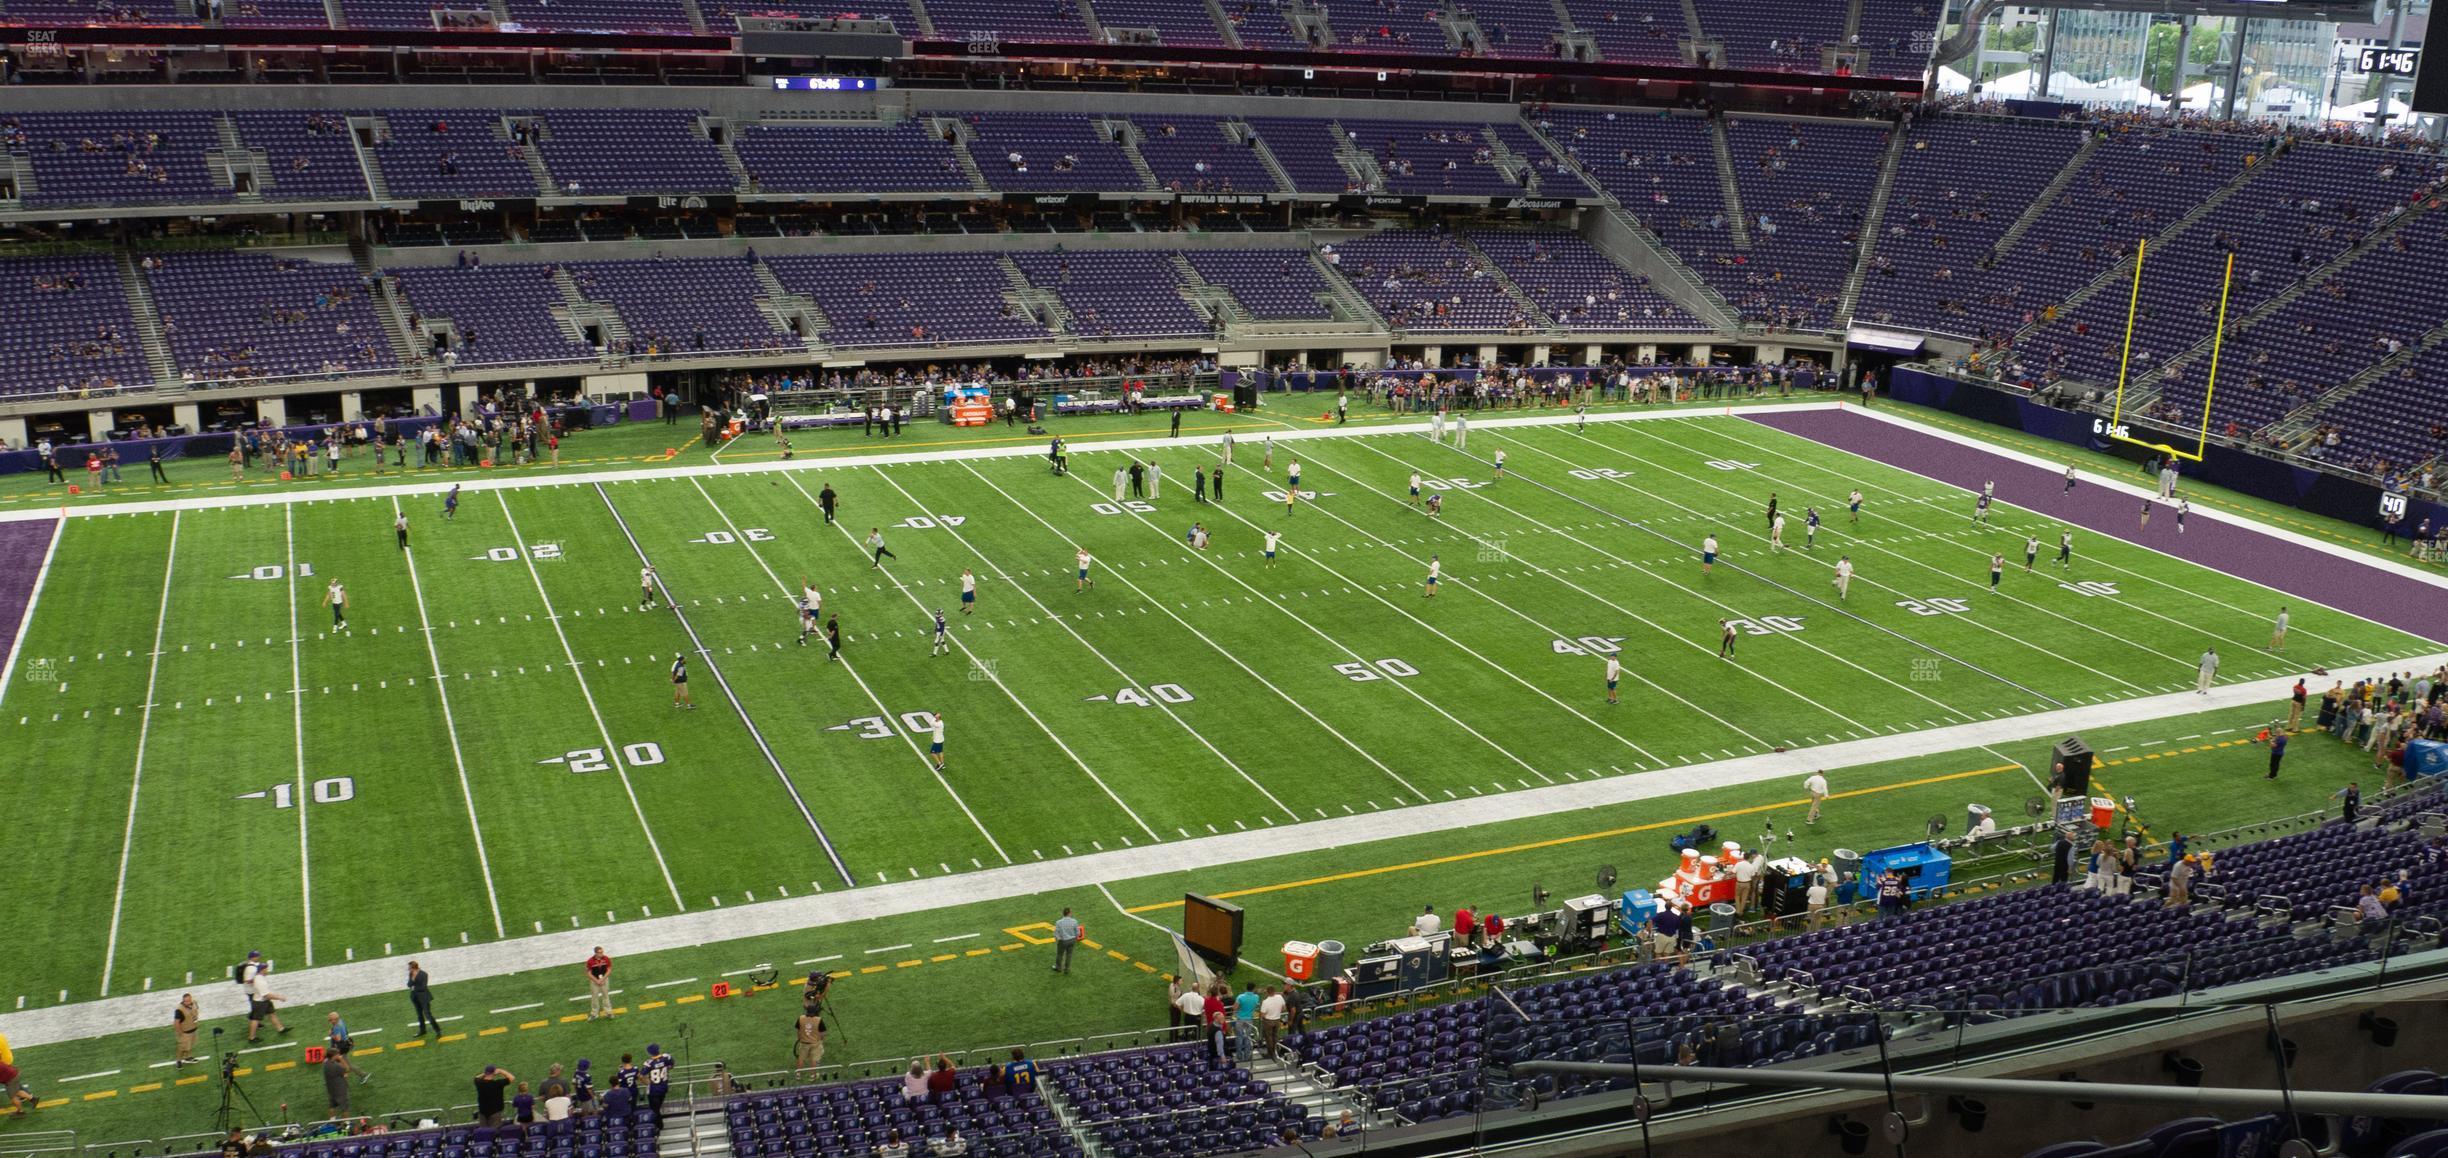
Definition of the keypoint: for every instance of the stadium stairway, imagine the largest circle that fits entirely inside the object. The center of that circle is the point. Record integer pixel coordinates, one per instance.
(2048, 196)
(1224, 24)
(1356, 160)
(2184, 359)
(1873, 218)
(699, 1131)
(960, 144)
(1241, 134)
(1521, 297)
(1738, 223)
(793, 312)
(148, 321)
(1121, 131)
(1321, 1101)
(2122, 273)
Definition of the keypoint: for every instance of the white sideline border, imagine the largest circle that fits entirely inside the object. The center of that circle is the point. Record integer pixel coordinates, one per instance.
(1037, 450)
(377, 975)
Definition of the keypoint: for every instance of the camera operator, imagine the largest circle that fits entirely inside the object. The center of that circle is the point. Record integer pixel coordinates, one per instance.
(808, 1039)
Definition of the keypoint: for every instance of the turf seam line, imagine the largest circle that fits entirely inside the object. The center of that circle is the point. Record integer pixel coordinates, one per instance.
(620, 763)
(754, 733)
(144, 731)
(450, 728)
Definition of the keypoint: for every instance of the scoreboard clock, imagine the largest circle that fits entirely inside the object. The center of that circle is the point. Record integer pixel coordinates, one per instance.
(2389, 61)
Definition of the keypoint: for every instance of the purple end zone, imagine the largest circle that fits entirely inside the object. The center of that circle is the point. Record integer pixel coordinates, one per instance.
(2355, 587)
(22, 547)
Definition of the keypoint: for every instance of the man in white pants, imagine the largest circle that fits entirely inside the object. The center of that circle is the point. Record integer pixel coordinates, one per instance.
(1121, 483)
(1461, 430)
(2208, 672)
(1436, 426)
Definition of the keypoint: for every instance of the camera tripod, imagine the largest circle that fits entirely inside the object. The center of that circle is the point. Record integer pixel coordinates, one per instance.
(823, 1004)
(231, 1095)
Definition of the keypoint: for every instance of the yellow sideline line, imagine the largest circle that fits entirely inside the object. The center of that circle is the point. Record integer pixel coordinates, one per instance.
(1556, 842)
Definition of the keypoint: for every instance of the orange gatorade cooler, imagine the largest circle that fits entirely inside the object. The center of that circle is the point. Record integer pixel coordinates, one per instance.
(1300, 960)
(2103, 812)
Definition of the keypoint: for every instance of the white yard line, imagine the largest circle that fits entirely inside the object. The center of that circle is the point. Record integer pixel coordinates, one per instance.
(847, 666)
(724, 683)
(144, 733)
(620, 764)
(1267, 600)
(450, 728)
(1486, 495)
(2095, 560)
(2116, 484)
(25, 622)
(1116, 668)
(996, 679)
(842, 907)
(1838, 607)
(1319, 561)
(1219, 649)
(297, 714)
(1986, 553)
(827, 463)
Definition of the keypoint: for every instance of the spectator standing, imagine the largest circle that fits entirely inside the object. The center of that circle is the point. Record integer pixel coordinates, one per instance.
(1816, 902)
(183, 1020)
(2180, 881)
(1666, 932)
(1217, 1017)
(1816, 785)
(2278, 747)
(420, 997)
(1189, 1009)
(1245, 1022)
(1067, 935)
(553, 1093)
(1465, 926)
(599, 984)
(658, 1079)
(1271, 1020)
(492, 1092)
(2350, 801)
(2295, 706)
(1893, 897)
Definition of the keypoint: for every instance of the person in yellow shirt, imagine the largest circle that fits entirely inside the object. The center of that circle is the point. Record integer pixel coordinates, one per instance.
(11, 1080)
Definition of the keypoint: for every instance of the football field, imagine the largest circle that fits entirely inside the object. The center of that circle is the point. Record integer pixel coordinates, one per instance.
(490, 747)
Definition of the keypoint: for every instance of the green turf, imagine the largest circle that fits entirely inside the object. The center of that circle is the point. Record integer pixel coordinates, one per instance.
(970, 993)
(1188, 693)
